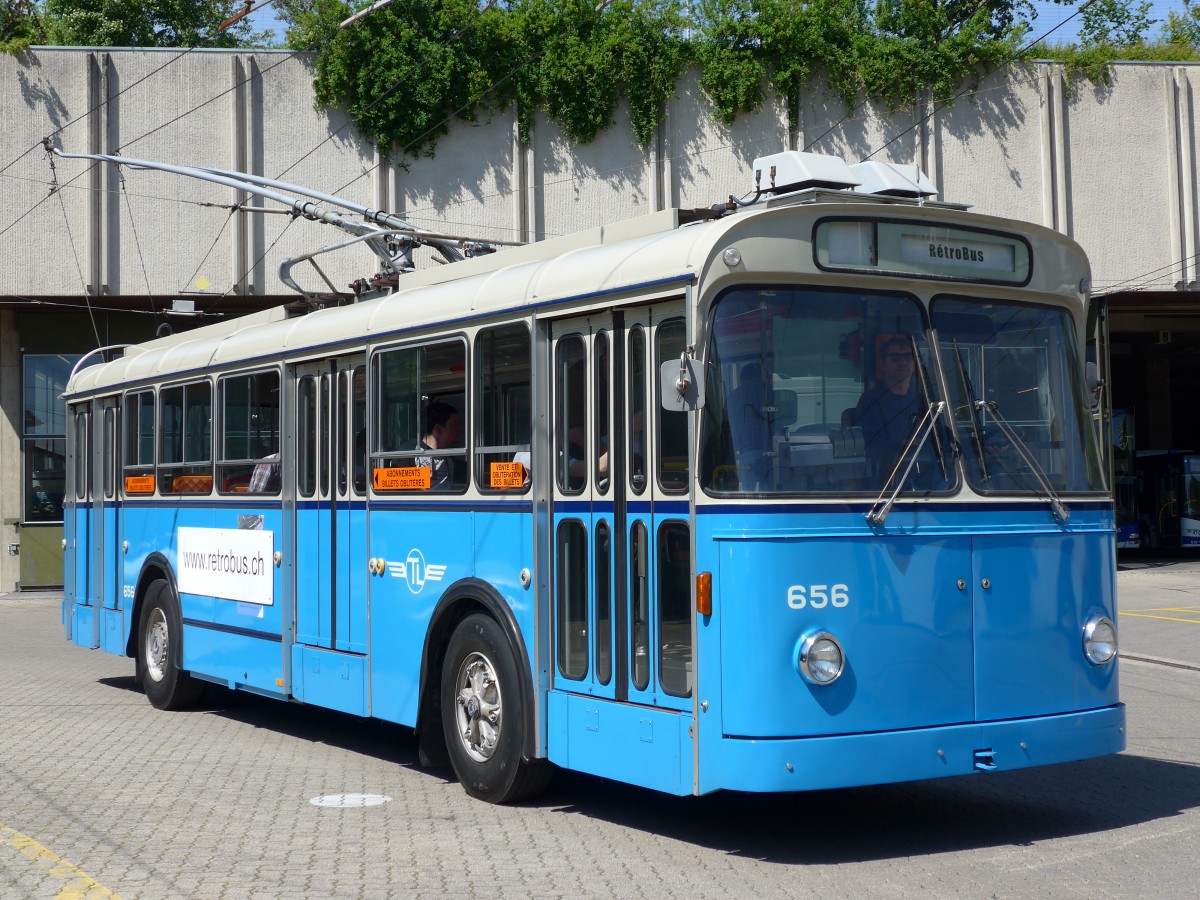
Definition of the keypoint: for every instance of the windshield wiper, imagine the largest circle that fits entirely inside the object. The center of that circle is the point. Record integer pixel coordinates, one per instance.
(927, 394)
(972, 411)
(1060, 511)
(878, 513)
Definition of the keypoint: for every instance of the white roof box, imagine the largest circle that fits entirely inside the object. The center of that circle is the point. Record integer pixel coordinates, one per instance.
(892, 180)
(795, 170)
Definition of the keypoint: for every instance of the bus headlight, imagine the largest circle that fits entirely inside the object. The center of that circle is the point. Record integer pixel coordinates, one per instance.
(821, 659)
(1100, 640)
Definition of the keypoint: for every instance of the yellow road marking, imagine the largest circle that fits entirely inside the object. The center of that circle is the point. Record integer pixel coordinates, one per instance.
(1171, 609)
(78, 884)
(1163, 618)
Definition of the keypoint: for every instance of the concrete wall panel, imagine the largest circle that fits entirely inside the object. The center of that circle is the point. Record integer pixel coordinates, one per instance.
(988, 145)
(707, 160)
(1121, 162)
(1021, 144)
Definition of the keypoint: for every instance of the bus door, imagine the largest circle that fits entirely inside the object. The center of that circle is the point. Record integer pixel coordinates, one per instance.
(107, 565)
(658, 525)
(585, 586)
(330, 512)
(620, 592)
(84, 626)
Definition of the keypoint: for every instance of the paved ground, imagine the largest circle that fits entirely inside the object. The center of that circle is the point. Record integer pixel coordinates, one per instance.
(102, 796)
(1160, 609)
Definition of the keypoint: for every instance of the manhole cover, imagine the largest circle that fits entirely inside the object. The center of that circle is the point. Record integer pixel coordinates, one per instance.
(348, 801)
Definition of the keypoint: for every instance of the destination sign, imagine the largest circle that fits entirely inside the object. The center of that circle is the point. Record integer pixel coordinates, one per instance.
(402, 478)
(916, 248)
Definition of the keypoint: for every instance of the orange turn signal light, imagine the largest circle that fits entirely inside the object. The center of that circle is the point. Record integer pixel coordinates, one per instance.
(704, 593)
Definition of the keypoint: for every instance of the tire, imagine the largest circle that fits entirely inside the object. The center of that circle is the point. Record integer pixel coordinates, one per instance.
(160, 651)
(483, 716)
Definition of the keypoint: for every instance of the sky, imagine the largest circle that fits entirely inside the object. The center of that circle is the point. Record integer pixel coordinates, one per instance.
(1049, 15)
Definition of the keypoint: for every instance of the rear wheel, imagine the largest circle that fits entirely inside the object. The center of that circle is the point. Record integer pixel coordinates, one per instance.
(160, 651)
(483, 716)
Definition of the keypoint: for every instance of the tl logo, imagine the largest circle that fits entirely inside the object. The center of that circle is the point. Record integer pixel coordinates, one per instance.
(415, 572)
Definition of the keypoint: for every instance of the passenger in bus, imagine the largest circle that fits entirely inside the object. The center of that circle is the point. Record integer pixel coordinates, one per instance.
(441, 433)
(887, 412)
(751, 424)
(265, 477)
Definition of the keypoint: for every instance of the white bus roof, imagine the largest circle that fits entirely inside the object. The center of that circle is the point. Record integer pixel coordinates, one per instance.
(607, 260)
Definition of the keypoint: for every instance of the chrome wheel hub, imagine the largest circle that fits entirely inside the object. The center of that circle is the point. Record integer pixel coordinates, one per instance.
(477, 707)
(156, 645)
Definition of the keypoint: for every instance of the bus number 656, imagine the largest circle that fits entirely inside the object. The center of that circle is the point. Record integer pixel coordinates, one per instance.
(817, 596)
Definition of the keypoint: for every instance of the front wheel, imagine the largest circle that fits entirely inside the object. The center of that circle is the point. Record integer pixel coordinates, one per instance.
(160, 651)
(483, 716)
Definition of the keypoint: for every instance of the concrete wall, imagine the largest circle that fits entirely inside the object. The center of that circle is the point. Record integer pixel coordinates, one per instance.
(1022, 144)
(1112, 165)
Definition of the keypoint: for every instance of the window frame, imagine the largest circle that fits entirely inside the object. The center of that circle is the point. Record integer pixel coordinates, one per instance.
(138, 468)
(479, 449)
(174, 469)
(221, 463)
(379, 458)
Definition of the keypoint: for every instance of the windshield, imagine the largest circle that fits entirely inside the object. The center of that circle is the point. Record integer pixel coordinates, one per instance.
(813, 391)
(1016, 396)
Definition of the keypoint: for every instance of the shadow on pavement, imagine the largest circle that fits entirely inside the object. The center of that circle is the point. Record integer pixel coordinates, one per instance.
(914, 819)
(851, 825)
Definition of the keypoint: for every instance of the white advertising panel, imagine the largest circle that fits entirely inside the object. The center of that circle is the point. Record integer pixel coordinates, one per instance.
(230, 563)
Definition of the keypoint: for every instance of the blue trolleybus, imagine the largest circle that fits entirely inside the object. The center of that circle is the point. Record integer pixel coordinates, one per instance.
(798, 492)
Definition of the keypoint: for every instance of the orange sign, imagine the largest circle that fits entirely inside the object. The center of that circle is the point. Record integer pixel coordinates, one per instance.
(139, 484)
(506, 475)
(406, 478)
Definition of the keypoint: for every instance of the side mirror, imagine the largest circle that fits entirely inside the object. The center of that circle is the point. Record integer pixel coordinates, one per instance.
(681, 383)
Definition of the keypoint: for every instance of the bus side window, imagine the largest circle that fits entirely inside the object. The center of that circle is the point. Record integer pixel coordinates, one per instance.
(138, 459)
(570, 415)
(674, 608)
(420, 411)
(249, 460)
(306, 430)
(637, 409)
(185, 448)
(672, 447)
(504, 413)
(358, 422)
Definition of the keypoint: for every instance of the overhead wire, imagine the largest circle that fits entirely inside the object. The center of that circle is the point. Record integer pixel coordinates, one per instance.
(74, 252)
(137, 243)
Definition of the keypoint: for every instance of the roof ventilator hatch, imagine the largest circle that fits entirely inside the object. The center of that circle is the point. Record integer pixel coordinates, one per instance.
(794, 170)
(892, 180)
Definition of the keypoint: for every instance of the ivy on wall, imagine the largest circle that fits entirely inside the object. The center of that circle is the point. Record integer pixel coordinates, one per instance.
(406, 71)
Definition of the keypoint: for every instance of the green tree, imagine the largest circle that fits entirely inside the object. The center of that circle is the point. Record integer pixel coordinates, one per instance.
(125, 23)
(19, 25)
(1115, 23)
(407, 70)
(1183, 28)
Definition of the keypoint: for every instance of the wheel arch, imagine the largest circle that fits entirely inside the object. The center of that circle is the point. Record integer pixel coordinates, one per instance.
(461, 599)
(154, 567)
